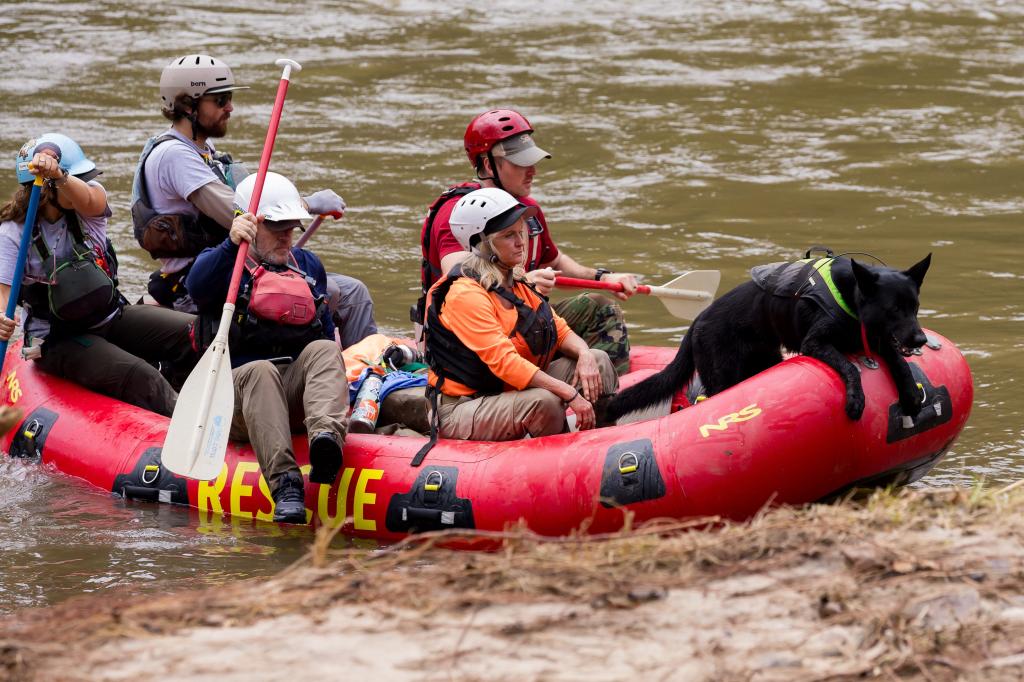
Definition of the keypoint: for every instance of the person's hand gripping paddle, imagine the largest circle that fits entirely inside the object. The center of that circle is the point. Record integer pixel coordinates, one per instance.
(197, 438)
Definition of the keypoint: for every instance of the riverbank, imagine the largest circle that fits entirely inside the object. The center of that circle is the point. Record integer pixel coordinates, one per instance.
(922, 585)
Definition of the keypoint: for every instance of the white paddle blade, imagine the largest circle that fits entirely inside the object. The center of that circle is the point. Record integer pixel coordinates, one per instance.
(689, 294)
(196, 443)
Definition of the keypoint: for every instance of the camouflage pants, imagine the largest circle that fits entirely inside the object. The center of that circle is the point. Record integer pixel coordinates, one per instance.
(598, 320)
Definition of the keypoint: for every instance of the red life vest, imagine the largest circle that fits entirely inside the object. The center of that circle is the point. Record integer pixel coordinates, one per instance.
(430, 273)
(282, 297)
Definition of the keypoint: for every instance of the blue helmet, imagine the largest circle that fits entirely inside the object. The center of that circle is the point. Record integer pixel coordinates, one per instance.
(69, 154)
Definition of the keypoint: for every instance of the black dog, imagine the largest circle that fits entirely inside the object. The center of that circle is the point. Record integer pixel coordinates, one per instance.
(793, 305)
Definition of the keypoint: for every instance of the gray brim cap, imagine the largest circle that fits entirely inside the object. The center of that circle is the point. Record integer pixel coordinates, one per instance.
(520, 150)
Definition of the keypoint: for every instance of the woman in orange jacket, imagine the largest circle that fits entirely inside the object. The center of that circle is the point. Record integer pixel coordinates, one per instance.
(491, 338)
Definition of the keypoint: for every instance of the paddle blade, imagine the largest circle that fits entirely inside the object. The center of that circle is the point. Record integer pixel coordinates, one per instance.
(197, 438)
(702, 281)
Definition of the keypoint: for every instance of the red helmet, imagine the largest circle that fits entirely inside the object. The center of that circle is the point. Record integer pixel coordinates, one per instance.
(490, 128)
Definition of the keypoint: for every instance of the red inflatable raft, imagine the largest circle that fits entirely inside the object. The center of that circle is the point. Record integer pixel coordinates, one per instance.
(780, 436)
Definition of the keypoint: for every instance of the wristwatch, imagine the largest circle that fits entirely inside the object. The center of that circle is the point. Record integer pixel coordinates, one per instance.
(601, 272)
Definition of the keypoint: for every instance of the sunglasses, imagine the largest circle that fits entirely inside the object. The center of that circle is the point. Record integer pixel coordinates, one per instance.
(221, 99)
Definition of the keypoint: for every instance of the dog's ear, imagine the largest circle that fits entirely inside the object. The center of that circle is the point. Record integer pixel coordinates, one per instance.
(867, 281)
(916, 271)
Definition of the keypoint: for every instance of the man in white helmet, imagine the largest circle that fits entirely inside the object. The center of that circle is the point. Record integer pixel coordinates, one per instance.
(183, 193)
(289, 374)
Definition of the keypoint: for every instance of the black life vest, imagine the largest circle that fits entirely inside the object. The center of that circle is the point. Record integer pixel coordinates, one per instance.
(252, 336)
(175, 235)
(428, 273)
(82, 288)
(449, 358)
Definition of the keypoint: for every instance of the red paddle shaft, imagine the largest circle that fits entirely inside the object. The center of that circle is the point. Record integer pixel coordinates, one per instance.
(261, 174)
(595, 284)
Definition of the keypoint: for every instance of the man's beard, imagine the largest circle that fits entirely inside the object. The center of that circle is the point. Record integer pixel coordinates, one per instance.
(217, 130)
(269, 256)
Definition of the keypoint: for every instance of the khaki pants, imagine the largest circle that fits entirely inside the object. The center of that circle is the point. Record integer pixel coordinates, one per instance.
(272, 402)
(514, 414)
(115, 359)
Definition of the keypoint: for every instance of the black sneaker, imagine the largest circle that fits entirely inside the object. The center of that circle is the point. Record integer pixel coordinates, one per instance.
(290, 499)
(324, 458)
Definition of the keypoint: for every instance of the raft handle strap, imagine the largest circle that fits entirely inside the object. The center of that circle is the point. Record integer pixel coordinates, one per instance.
(818, 247)
(435, 420)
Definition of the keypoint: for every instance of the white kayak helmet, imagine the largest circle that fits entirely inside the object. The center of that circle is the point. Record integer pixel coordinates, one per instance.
(279, 200)
(195, 75)
(483, 212)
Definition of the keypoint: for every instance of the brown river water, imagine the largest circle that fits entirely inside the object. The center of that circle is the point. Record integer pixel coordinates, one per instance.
(709, 134)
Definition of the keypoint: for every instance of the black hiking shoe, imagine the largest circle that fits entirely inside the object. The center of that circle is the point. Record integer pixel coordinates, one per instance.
(324, 458)
(290, 499)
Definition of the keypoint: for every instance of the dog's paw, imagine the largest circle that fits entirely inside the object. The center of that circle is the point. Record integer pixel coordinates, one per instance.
(911, 407)
(855, 406)
(913, 398)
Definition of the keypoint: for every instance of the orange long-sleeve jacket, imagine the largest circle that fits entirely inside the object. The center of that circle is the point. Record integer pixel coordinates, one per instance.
(487, 327)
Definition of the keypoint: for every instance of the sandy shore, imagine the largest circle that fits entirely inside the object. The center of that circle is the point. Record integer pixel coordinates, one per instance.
(911, 585)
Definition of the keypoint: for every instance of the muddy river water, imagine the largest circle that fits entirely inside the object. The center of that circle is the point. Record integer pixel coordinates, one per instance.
(709, 134)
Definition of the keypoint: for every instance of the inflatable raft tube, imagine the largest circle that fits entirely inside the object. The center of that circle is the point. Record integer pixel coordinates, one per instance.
(779, 437)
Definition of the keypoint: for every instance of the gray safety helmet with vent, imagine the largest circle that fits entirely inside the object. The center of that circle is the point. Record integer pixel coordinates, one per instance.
(195, 75)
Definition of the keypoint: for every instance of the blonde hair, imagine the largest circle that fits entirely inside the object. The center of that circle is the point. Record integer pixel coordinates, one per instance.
(489, 274)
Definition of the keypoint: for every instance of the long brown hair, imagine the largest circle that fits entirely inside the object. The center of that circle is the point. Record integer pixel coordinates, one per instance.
(17, 207)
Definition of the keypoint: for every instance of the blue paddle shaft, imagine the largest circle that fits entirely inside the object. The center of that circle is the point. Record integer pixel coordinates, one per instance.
(19, 267)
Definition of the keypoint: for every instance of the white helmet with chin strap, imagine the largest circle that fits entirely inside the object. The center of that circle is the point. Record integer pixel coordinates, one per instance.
(195, 75)
(483, 212)
(279, 200)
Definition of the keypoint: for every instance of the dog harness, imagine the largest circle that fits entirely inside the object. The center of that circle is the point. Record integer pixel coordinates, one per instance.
(809, 278)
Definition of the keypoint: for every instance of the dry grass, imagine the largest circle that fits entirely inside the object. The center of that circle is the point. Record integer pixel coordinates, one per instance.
(925, 576)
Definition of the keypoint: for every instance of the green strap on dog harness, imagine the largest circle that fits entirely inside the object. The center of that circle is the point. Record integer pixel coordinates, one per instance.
(823, 266)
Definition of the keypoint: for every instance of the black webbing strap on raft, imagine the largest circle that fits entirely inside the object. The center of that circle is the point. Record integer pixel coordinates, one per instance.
(433, 392)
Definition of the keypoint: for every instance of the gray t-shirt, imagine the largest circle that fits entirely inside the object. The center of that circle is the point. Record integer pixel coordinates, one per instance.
(58, 241)
(174, 170)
